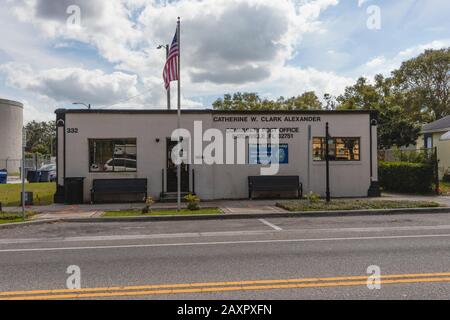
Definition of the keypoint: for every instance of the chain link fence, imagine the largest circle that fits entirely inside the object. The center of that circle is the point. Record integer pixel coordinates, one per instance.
(32, 162)
(407, 155)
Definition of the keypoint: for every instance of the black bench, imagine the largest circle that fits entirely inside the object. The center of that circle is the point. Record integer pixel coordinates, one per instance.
(118, 187)
(275, 183)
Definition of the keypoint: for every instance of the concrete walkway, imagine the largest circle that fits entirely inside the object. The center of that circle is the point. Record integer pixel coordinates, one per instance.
(443, 200)
(14, 180)
(57, 211)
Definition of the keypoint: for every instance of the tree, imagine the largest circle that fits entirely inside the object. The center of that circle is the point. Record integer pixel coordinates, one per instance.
(251, 101)
(238, 101)
(362, 95)
(416, 93)
(425, 83)
(40, 137)
(395, 128)
(307, 101)
(330, 101)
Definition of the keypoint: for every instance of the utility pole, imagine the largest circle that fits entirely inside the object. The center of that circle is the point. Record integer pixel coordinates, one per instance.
(327, 160)
(179, 115)
(24, 143)
(309, 157)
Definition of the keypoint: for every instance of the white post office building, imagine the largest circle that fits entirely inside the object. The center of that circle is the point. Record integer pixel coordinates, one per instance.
(125, 155)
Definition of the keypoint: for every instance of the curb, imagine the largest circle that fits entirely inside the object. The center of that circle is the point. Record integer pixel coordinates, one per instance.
(241, 216)
(27, 223)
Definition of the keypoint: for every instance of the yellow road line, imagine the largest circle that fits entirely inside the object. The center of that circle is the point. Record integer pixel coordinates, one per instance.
(223, 289)
(217, 284)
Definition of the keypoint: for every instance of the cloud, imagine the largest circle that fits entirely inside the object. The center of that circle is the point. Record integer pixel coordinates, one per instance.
(238, 75)
(72, 84)
(36, 111)
(362, 2)
(245, 39)
(226, 45)
(234, 41)
(385, 65)
(291, 81)
(104, 24)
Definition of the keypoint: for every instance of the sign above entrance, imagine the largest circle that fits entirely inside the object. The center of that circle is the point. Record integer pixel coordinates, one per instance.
(276, 119)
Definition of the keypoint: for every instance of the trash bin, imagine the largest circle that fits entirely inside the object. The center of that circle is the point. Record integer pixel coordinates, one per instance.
(33, 176)
(3, 176)
(28, 198)
(74, 189)
(44, 176)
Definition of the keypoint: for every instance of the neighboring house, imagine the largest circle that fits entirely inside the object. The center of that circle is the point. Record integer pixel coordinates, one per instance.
(437, 134)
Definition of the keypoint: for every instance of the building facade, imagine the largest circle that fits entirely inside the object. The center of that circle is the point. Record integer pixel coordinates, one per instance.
(124, 144)
(437, 135)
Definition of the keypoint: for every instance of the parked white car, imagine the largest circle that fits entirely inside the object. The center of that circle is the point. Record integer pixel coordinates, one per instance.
(120, 164)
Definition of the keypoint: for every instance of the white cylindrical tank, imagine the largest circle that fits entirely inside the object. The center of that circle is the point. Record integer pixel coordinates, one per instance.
(11, 123)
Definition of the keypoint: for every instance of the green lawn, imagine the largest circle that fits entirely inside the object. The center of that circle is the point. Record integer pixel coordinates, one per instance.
(11, 218)
(42, 193)
(304, 205)
(161, 212)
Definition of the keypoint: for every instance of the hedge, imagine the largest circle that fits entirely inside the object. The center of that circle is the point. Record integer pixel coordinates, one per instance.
(406, 177)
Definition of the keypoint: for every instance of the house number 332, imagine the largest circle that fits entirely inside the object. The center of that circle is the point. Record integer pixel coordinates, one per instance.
(72, 130)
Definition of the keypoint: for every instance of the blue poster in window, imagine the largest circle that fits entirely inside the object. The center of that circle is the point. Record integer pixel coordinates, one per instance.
(262, 154)
(283, 154)
(253, 154)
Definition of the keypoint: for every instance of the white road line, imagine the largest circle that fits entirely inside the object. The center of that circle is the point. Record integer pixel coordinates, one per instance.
(135, 237)
(193, 244)
(217, 234)
(267, 223)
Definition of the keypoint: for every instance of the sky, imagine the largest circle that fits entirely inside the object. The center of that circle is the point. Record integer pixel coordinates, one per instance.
(104, 52)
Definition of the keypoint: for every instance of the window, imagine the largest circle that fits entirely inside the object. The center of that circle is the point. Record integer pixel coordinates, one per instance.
(341, 149)
(112, 155)
(428, 141)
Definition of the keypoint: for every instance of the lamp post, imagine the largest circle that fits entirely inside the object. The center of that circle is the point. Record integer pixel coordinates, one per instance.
(167, 47)
(327, 160)
(83, 104)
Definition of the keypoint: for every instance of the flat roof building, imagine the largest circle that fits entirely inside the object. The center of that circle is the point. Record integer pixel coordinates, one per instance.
(222, 151)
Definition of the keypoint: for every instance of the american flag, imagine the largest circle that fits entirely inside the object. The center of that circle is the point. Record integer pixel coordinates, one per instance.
(170, 72)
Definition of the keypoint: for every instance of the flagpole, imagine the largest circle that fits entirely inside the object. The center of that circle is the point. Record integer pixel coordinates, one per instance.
(179, 114)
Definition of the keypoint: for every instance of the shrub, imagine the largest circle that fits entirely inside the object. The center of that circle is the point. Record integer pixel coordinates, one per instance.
(446, 177)
(313, 197)
(193, 202)
(406, 177)
(148, 203)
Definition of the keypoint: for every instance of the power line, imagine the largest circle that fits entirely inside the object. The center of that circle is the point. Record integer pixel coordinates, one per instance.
(126, 100)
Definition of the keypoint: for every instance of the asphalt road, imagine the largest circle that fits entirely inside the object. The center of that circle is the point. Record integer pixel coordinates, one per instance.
(296, 258)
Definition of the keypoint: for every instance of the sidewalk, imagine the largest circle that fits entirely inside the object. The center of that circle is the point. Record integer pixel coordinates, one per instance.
(444, 200)
(56, 211)
(14, 180)
(229, 207)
